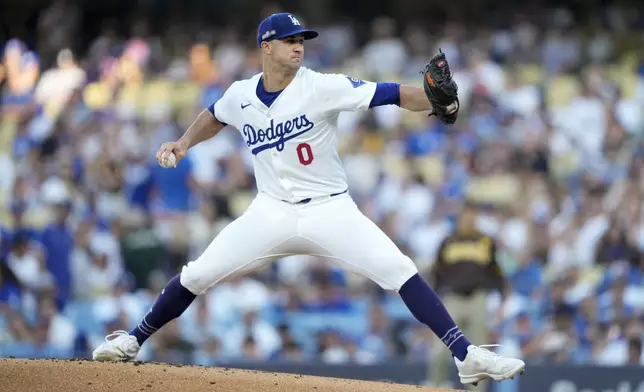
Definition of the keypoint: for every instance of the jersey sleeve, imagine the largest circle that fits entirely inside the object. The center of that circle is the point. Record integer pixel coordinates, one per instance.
(344, 93)
(224, 107)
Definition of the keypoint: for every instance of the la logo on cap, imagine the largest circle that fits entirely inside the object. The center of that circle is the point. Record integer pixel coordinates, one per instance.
(295, 21)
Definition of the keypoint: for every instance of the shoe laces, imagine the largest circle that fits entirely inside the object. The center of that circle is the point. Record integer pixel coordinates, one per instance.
(114, 335)
(490, 354)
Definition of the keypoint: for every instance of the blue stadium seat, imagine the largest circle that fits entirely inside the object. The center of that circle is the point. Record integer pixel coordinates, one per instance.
(361, 304)
(395, 309)
(270, 314)
(26, 350)
(353, 323)
(81, 313)
(309, 344)
(18, 350)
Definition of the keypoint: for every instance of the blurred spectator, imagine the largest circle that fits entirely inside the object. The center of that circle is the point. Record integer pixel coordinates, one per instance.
(229, 54)
(56, 85)
(173, 191)
(21, 70)
(209, 353)
(614, 246)
(559, 339)
(18, 223)
(525, 336)
(595, 224)
(328, 288)
(205, 73)
(418, 42)
(28, 265)
(292, 352)
(141, 248)
(386, 54)
(237, 296)
(250, 351)
(18, 331)
(52, 328)
(561, 50)
(331, 348)
(418, 341)
(635, 351)
(205, 224)
(375, 346)
(58, 243)
(96, 263)
(253, 337)
(171, 347)
(10, 290)
(489, 77)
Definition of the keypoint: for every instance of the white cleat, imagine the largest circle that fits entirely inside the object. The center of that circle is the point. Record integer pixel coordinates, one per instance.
(481, 364)
(118, 346)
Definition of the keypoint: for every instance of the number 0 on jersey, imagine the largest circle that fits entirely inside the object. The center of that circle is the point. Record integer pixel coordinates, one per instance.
(305, 154)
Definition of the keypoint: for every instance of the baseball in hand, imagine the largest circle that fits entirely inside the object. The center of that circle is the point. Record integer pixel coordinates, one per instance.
(169, 160)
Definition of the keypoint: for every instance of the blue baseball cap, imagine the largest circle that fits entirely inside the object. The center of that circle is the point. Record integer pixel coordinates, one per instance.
(282, 25)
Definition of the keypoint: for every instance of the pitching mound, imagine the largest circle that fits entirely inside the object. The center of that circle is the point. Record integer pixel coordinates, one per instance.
(21, 375)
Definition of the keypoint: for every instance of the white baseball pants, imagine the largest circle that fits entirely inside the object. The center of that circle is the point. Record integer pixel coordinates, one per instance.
(331, 227)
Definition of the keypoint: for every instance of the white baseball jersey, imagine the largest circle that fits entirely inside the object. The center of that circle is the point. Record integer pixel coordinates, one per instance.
(294, 141)
(295, 156)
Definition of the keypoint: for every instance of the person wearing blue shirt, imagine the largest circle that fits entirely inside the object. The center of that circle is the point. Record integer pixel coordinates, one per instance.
(138, 182)
(7, 233)
(58, 242)
(426, 141)
(173, 187)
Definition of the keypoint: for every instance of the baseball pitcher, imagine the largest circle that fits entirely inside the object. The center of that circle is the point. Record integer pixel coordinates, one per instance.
(288, 116)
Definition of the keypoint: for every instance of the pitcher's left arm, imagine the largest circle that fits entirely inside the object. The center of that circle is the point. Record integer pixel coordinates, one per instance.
(439, 94)
(415, 100)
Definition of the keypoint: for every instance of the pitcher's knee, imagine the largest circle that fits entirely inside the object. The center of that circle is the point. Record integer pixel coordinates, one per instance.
(195, 278)
(394, 273)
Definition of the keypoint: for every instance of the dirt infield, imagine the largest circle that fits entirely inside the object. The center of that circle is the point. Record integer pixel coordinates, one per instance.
(22, 375)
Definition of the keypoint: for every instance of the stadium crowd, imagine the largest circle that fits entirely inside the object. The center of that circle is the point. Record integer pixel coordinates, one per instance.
(547, 147)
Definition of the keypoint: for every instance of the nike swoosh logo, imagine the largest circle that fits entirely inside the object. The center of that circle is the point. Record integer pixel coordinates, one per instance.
(245, 106)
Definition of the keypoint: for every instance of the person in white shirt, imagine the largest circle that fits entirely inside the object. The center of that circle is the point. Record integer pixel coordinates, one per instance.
(58, 84)
(288, 116)
(385, 54)
(266, 339)
(27, 263)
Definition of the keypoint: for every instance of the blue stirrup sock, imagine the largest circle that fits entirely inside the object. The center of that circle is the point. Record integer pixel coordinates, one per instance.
(170, 304)
(427, 307)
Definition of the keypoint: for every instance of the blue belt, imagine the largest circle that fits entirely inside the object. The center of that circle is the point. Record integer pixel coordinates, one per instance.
(307, 200)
